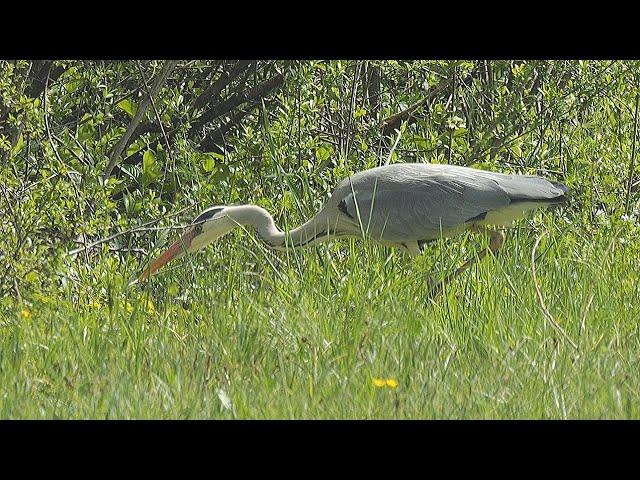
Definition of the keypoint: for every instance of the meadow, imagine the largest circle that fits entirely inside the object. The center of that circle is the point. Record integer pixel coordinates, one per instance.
(341, 330)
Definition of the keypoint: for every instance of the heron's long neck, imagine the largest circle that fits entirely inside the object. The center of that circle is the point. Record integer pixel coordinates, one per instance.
(309, 233)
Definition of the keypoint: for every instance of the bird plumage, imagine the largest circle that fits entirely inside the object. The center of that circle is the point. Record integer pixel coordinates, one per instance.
(415, 202)
(405, 205)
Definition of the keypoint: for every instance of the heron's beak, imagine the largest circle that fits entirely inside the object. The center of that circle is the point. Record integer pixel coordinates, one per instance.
(178, 249)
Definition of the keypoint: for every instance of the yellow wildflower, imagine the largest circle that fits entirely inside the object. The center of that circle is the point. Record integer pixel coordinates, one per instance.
(392, 383)
(385, 382)
(379, 382)
(25, 313)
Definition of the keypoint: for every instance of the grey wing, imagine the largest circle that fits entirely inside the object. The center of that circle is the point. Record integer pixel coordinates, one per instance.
(422, 210)
(522, 188)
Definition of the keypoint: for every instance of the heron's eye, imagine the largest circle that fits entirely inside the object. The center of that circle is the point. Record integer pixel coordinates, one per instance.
(198, 228)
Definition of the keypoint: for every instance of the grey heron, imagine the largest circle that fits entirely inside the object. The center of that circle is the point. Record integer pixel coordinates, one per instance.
(405, 205)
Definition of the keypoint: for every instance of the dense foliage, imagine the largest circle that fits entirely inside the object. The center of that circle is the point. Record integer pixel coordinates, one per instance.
(100, 160)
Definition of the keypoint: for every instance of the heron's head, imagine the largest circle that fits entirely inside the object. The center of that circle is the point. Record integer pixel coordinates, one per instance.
(211, 224)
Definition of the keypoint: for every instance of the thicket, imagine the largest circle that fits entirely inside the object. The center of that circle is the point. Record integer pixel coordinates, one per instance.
(97, 158)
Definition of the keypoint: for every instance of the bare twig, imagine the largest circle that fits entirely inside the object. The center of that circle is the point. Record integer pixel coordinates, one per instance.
(159, 81)
(372, 82)
(158, 126)
(543, 307)
(633, 156)
(505, 140)
(139, 251)
(400, 131)
(54, 146)
(352, 106)
(251, 95)
(155, 111)
(140, 228)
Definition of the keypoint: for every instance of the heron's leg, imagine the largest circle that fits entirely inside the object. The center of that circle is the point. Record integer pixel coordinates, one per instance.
(413, 248)
(496, 240)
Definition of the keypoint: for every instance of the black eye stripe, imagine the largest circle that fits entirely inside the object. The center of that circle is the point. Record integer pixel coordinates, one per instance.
(206, 215)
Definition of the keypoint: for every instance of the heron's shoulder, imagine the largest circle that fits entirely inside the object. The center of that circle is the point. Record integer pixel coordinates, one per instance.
(401, 174)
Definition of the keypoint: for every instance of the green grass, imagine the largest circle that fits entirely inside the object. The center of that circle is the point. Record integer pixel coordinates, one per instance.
(242, 332)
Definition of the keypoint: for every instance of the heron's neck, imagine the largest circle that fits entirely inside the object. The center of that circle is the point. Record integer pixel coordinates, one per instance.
(309, 233)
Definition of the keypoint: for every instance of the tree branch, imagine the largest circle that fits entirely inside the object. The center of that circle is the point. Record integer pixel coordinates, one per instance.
(155, 127)
(225, 79)
(633, 156)
(39, 78)
(159, 81)
(237, 99)
(140, 228)
(210, 141)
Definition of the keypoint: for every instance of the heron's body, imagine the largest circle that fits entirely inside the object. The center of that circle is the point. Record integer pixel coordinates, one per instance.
(409, 204)
(404, 205)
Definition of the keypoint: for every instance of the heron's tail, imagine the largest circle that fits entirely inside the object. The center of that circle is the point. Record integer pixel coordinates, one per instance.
(566, 191)
(527, 188)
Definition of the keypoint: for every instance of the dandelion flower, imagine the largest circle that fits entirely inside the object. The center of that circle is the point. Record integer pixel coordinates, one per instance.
(391, 383)
(25, 313)
(379, 382)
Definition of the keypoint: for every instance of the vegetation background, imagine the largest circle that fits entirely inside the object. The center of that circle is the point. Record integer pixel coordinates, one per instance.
(101, 162)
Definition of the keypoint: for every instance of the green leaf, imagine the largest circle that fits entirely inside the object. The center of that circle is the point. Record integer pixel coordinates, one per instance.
(72, 85)
(150, 168)
(135, 147)
(360, 112)
(148, 161)
(324, 152)
(4, 143)
(209, 164)
(455, 122)
(86, 132)
(128, 106)
(20, 144)
(516, 150)
(222, 172)
(287, 200)
(459, 132)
